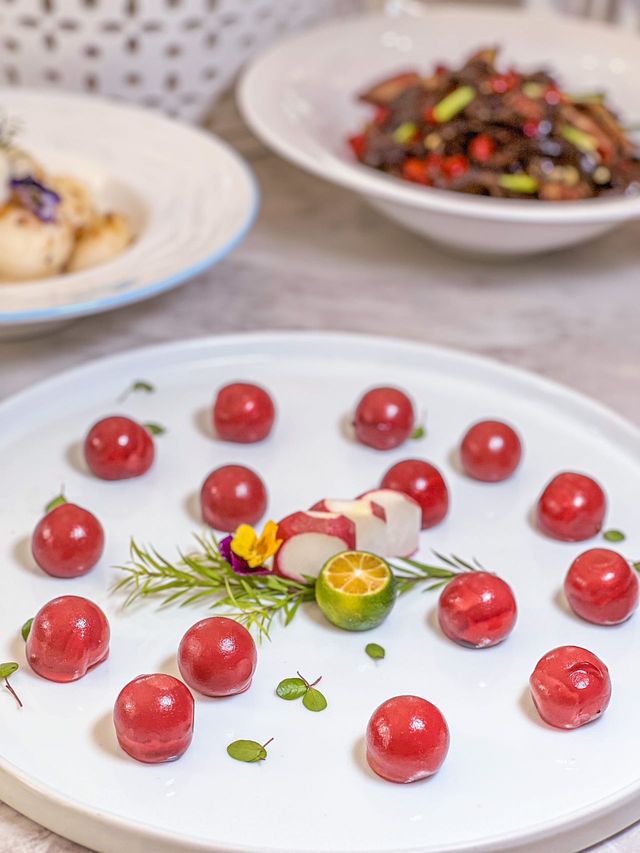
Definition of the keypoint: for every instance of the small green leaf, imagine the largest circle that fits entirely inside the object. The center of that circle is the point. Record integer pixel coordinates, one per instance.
(59, 500)
(26, 629)
(614, 536)
(143, 385)
(291, 688)
(7, 669)
(313, 700)
(636, 566)
(419, 432)
(247, 750)
(155, 429)
(375, 651)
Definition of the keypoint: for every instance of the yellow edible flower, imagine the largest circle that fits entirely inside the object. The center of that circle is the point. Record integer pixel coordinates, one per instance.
(255, 549)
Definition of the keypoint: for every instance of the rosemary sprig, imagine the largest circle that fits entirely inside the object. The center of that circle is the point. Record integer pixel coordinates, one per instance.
(413, 572)
(255, 600)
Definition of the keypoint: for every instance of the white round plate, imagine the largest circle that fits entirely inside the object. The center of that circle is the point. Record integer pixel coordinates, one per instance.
(509, 781)
(300, 97)
(189, 196)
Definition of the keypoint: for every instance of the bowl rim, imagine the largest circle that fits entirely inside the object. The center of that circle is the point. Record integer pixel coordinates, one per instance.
(386, 188)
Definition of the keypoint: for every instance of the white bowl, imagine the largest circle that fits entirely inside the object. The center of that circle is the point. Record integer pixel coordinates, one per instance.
(189, 196)
(300, 98)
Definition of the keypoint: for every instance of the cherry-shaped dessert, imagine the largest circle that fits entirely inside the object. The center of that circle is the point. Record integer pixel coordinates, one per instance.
(153, 717)
(490, 451)
(407, 739)
(602, 587)
(68, 541)
(424, 483)
(570, 687)
(68, 637)
(384, 418)
(477, 609)
(117, 448)
(243, 413)
(217, 657)
(572, 507)
(231, 496)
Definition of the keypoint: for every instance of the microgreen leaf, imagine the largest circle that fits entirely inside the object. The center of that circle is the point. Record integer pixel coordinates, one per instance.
(138, 385)
(248, 750)
(59, 500)
(291, 688)
(636, 566)
(155, 429)
(313, 700)
(7, 669)
(375, 651)
(26, 629)
(418, 433)
(614, 536)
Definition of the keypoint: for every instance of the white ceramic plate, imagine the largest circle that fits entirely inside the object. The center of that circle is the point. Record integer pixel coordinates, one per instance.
(300, 98)
(190, 198)
(508, 781)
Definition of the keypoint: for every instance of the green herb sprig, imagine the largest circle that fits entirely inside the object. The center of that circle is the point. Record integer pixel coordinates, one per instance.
(137, 386)
(249, 751)
(296, 688)
(255, 600)
(6, 670)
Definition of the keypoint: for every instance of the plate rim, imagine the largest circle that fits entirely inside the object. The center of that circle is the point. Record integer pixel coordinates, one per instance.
(77, 821)
(73, 310)
(369, 182)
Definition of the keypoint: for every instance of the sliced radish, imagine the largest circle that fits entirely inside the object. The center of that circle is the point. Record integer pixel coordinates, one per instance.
(309, 540)
(404, 518)
(369, 518)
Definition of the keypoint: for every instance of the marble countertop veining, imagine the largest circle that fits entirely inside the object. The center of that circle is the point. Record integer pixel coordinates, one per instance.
(320, 258)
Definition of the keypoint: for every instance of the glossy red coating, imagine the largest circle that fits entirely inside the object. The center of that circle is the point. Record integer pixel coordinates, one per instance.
(572, 507)
(243, 413)
(117, 448)
(68, 541)
(490, 451)
(602, 587)
(153, 717)
(477, 609)
(422, 482)
(570, 687)
(232, 495)
(384, 418)
(217, 657)
(68, 637)
(407, 739)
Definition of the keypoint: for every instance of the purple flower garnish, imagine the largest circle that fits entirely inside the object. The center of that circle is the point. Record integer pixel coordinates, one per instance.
(37, 198)
(238, 565)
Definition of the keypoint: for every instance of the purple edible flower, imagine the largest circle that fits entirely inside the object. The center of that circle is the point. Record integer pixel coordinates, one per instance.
(238, 565)
(37, 198)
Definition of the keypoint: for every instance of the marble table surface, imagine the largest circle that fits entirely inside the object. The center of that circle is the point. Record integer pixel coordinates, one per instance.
(320, 258)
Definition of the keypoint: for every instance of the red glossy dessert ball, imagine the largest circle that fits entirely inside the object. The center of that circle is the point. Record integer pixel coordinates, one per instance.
(217, 657)
(118, 448)
(570, 687)
(68, 541)
(490, 451)
(602, 587)
(384, 418)
(68, 637)
(572, 507)
(422, 482)
(243, 413)
(477, 609)
(153, 717)
(232, 495)
(407, 739)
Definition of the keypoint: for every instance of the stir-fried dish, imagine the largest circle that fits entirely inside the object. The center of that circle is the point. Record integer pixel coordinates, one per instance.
(508, 134)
